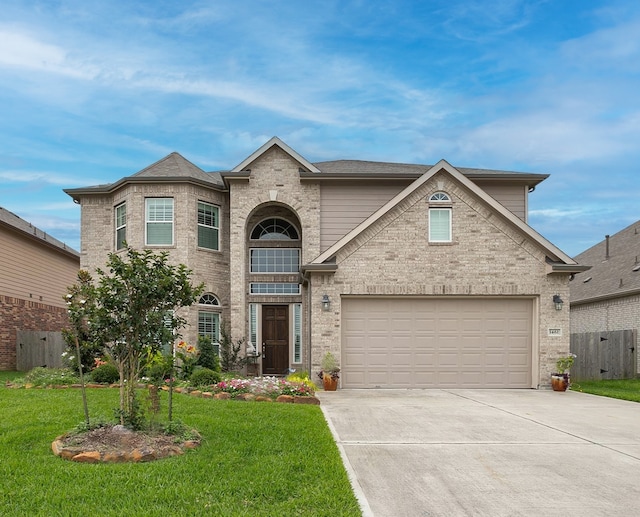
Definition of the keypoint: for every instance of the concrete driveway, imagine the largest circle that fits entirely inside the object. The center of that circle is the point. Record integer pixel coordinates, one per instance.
(488, 452)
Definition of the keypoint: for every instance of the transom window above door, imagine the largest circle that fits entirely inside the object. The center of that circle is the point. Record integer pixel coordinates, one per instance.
(275, 260)
(275, 229)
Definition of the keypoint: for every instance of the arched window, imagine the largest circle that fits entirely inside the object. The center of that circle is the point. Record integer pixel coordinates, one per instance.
(440, 196)
(208, 299)
(275, 229)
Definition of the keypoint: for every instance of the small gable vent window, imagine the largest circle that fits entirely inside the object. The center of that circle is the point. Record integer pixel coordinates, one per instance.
(440, 197)
(275, 229)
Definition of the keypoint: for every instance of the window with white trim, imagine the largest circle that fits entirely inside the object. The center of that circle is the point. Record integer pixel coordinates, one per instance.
(275, 260)
(297, 333)
(209, 326)
(274, 229)
(253, 326)
(439, 197)
(121, 225)
(208, 226)
(440, 213)
(440, 225)
(274, 288)
(209, 299)
(159, 221)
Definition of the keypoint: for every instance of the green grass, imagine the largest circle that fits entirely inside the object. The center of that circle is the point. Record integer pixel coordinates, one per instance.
(9, 376)
(256, 459)
(627, 389)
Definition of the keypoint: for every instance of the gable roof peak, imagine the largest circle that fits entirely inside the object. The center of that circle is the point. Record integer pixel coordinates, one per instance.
(274, 141)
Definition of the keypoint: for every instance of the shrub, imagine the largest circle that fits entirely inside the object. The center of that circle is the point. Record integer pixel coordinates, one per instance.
(231, 358)
(302, 378)
(204, 377)
(40, 376)
(208, 354)
(105, 374)
(160, 368)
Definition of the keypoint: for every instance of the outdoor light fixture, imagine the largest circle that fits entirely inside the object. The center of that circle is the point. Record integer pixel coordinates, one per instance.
(326, 303)
(557, 301)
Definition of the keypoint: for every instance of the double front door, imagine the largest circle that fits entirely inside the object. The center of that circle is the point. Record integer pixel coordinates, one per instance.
(275, 339)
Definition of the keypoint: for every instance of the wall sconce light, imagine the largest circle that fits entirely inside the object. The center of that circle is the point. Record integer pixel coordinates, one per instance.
(557, 301)
(326, 303)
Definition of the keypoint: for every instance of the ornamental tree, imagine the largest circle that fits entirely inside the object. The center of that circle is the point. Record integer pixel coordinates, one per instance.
(80, 300)
(136, 316)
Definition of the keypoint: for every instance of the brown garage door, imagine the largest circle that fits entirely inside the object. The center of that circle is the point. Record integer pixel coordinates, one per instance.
(436, 342)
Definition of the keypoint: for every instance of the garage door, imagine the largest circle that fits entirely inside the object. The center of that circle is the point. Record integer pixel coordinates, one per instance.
(436, 342)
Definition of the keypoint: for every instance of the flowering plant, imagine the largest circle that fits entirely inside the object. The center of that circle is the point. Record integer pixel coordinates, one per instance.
(565, 363)
(188, 355)
(270, 387)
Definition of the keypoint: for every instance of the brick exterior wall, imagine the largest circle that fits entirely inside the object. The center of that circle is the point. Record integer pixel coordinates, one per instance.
(208, 266)
(615, 314)
(273, 188)
(489, 257)
(17, 314)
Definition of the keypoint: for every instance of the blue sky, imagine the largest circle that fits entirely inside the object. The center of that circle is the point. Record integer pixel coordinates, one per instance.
(92, 91)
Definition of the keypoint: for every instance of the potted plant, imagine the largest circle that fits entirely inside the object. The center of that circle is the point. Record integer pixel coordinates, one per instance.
(330, 372)
(560, 380)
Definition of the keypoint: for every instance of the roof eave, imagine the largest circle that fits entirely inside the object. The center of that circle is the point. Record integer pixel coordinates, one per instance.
(604, 297)
(112, 187)
(64, 249)
(325, 267)
(566, 268)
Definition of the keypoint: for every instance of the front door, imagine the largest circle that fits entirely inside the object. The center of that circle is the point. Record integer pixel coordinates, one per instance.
(275, 339)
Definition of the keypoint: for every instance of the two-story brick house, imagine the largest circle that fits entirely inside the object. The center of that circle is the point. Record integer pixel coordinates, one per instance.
(412, 275)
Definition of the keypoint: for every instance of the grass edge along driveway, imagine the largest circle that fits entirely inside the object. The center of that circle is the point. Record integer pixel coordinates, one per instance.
(255, 459)
(625, 389)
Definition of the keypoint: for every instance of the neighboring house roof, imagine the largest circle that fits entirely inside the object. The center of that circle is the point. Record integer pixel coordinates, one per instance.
(173, 167)
(560, 262)
(12, 221)
(615, 270)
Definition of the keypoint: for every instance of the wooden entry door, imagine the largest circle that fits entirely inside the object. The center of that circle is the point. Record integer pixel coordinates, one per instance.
(275, 339)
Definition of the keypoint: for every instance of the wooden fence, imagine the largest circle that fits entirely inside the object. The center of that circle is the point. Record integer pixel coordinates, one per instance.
(604, 355)
(39, 349)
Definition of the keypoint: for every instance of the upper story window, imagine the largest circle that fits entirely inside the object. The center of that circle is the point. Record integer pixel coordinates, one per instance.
(275, 260)
(275, 229)
(159, 221)
(121, 225)
(440, 217)
(208, 226)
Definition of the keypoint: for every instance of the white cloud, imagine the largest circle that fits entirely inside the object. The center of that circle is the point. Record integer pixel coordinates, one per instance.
(52, 178)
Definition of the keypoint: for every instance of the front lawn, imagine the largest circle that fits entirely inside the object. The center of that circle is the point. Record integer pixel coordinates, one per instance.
(9, 376)
(255, 459)
(626, 389)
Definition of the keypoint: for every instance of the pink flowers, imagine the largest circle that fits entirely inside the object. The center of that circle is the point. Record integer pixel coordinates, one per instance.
(270, 387)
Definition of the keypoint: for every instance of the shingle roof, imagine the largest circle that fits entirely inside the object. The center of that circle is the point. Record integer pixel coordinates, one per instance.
(362, 167)
(10, 219)
(610, 276)
(177, 166)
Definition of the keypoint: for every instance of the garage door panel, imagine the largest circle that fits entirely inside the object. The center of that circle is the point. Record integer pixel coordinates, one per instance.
(422, 343)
